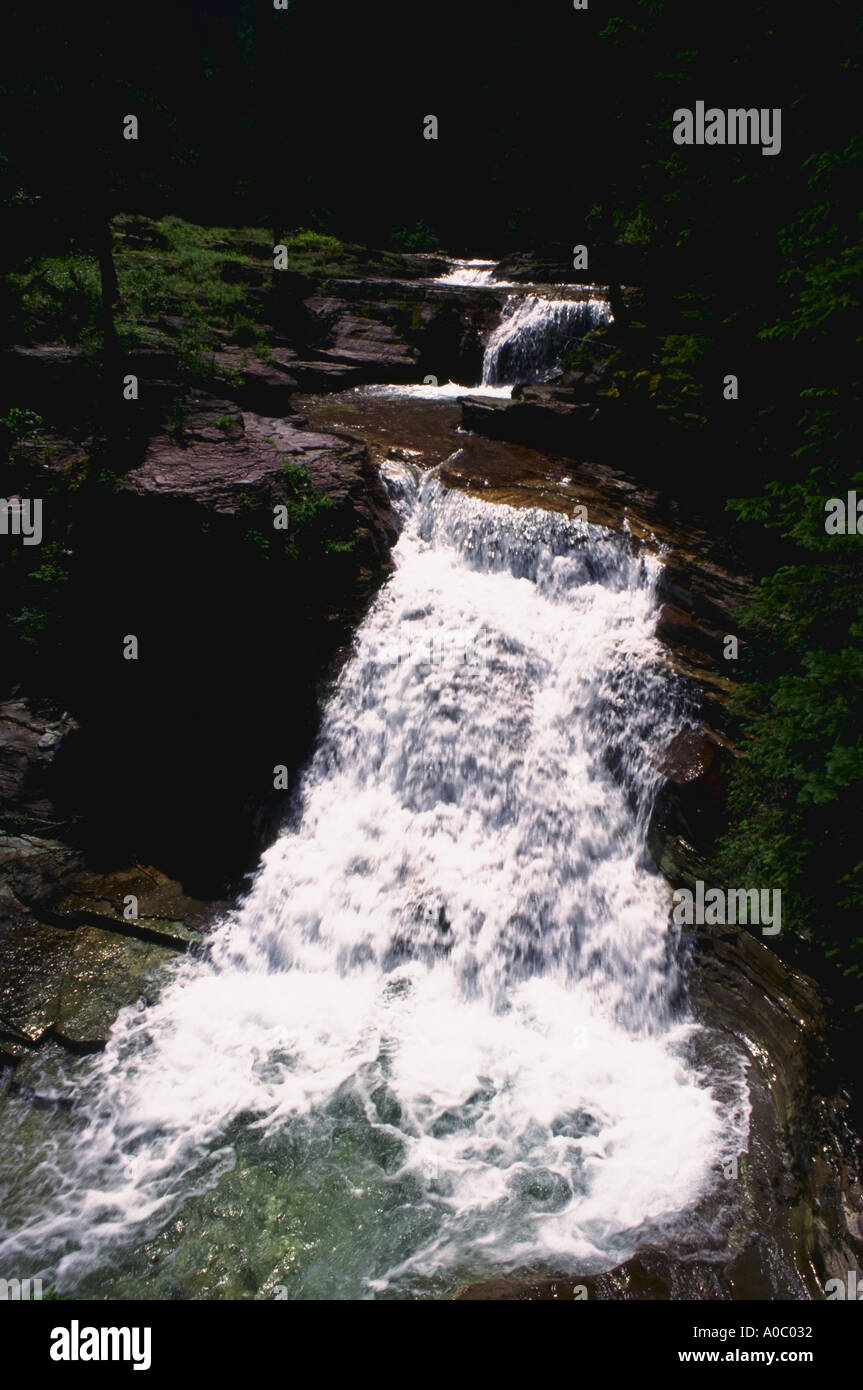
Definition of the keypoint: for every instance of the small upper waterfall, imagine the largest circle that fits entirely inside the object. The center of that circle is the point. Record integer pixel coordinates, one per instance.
(468, 273)
(536, 326)
(533, 332)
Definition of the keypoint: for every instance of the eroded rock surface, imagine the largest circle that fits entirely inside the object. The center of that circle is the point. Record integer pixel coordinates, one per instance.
(105, 972)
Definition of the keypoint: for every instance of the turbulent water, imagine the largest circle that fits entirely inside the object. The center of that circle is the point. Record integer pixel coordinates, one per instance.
(468, 273)
(442, 1036)
(526, 345)
(532, 333)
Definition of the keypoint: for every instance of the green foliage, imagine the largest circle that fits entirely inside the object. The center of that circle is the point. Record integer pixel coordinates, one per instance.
(315, 528)
(758, 270)
(346, 547)
(679, 358)
(322, 256)
(180, 276)
(53, 568)
(35, 592)
(29, 623)
(418, 237)
(255, 538)
(306, 505)
(53, 297)
(304, 239)
(634, 228)
(18, 428)
(796, 793)
(823, 250)
(182, 288)
(244, 330)
(178, 416)
(659, 373)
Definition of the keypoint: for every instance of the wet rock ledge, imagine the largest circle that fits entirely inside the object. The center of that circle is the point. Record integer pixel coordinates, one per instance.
(71, 956)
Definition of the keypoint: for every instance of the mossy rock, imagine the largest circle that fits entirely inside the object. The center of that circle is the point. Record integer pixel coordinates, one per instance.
(34, 959)
(106, 973)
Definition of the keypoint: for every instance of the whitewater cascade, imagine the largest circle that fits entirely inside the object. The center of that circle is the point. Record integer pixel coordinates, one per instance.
(468, 273)
(532, 333)
(526, 344)
(442, 1035)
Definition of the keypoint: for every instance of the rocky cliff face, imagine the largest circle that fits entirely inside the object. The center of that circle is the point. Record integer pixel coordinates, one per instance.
(803, 1175)
(553, 264)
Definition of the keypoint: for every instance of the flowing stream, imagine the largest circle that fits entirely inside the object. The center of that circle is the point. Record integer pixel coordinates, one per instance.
(444, 1034)
(533, 331)
(536, 325)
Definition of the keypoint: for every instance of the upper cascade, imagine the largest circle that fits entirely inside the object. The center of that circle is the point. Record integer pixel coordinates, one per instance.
(468, 273)
(532, 334)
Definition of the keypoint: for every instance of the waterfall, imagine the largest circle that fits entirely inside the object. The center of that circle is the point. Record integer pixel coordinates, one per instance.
(468, 273)
(533, 332)
(526, 344)
(441, 1035)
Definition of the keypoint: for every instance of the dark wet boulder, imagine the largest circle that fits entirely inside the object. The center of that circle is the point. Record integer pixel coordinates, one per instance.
(553, 264)
(70, 984)
(105, 973)
(690, 807)
(34, 958)
(650, 1275)
(184, 555)
(362, 335)
(56, 382)
(232, 463)
(241, 273)
(29, 742)
(35, 863)
(682, 629)
(255, 383)
(804, 1157)
(539, 420)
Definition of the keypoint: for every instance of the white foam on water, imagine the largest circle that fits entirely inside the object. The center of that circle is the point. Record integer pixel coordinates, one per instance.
(525, 346)
(462, 919)
(462, 272)
(446, 391)
(532, 333)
